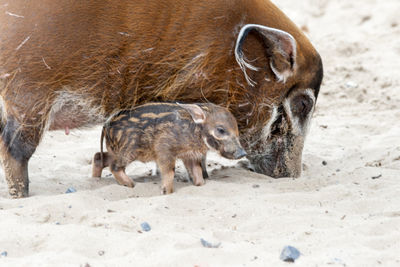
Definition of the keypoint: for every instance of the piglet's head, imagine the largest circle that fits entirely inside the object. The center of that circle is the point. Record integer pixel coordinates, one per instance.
(220, 130)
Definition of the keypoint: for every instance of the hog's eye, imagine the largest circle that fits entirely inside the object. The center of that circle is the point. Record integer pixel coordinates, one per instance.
(221, 130)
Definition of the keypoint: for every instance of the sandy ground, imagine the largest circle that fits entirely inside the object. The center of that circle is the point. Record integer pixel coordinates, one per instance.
(344, 213)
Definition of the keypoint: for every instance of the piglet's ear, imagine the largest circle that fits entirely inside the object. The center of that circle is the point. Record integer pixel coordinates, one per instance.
(195, 111)
(280, 47)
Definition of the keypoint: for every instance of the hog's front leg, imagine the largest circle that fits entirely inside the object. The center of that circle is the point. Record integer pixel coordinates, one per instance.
(17, 144)
(194, 168)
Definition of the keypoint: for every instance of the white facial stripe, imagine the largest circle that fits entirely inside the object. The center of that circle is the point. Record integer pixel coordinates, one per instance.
(219, 138)
(299, 129)
(266, 131)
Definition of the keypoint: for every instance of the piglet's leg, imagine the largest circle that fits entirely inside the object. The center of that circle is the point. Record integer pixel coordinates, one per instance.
(99, 165)
(195, 171)
(120, 175)
(167, 169)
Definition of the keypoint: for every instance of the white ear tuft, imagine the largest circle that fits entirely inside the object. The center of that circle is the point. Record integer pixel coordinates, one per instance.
(280, 45)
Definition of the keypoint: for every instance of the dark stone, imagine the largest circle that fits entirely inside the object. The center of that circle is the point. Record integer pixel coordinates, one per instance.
(145, 226)
(70, 190)
(207, 244)
(289, 254)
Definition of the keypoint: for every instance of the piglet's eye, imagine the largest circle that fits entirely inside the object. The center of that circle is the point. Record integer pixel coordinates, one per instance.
(221, 130)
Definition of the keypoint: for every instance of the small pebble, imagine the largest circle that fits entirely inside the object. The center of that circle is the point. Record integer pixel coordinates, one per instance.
(351, 84)
(57, 223)
(145, 226)
(256, 185)
(207, 244)
(289, 254)
(101, 252)
(3, 254)
(70, 190)
(324, 163)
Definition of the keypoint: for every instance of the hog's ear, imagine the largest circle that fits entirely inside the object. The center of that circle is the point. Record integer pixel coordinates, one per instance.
(281, 50)
(195, 111)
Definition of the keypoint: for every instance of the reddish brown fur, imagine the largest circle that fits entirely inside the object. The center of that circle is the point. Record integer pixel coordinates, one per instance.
(86, 51)
(91, 57)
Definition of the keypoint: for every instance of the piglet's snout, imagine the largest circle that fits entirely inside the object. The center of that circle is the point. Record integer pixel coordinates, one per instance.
(240, 153)
(233, 150)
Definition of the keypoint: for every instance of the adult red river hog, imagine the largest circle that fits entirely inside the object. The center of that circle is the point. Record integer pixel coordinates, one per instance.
(65, 64)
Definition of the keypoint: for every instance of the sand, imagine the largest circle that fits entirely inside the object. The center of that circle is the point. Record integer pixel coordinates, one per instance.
(342, 213)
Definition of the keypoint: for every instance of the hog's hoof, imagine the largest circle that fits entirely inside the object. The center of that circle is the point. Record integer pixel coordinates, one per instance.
(18, 192)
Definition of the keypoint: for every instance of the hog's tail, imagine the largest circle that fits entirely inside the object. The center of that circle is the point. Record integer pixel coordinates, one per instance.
(101, 146)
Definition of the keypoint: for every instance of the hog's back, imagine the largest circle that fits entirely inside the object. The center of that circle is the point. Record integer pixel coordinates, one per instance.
(115, 53)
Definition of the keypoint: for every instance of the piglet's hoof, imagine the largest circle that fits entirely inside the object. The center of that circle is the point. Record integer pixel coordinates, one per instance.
(128, 184)
(199, 183)
(122, 178)
(166, 190)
